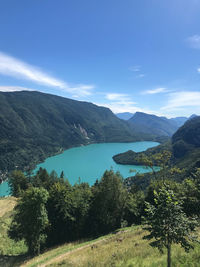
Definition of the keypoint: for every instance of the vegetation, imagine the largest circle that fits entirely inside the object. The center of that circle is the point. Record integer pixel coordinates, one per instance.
(81, 211)
(30, 219)
(187, 138)
(167, 223)
(152, 124)
(185, 149)
(35, 125)
(10, 251)
(51, 212)
(132, 158)
(124, 248)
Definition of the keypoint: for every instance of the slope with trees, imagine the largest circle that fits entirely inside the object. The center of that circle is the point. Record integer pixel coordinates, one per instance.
(152, 124)
(35, 125)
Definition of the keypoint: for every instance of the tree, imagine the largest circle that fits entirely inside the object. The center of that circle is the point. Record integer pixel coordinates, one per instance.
(60, 208)
(134, 209)
(158, 159)
(82, 196)
(30, 219)
(108, 204)
(167, 223)
(18, 183)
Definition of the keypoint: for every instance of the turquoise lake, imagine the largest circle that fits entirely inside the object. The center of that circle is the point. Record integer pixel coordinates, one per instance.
(4, 189)
(90, 162)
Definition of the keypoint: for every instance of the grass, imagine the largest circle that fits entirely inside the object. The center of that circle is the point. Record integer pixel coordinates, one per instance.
(10, 251)
(126, 248)
(132, 251)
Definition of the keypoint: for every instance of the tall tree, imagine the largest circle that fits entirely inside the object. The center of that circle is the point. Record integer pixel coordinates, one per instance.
(109, 199)
(30, 219)
(18, 182)
(61, 206)
(167, 223)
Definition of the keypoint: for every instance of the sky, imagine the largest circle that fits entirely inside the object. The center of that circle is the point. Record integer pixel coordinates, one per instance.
(127, 55)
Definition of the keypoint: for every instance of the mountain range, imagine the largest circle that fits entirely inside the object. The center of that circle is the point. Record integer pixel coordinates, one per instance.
(35, 125)
(153, 125)
(184, 146)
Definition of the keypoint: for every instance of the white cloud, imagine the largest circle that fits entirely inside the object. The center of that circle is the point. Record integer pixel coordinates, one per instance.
(198, 70)
(194, 41)
(14, 89)
(180, 100)
(156, 91)
(13, 67)
(81, 90)
(116, 96)
(135, 68)
(119, 107)
(119, 102)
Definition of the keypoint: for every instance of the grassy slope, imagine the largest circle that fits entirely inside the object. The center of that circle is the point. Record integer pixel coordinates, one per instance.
(126, 248)
(10, 250)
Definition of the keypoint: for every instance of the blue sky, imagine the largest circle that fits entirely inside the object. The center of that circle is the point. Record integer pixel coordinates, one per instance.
(127, 55)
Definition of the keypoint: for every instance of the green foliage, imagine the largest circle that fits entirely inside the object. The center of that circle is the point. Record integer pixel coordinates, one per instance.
(60, 211)
(109, 200)
(167, 223)
(82, 196)
(7, 245)
(80, 211)
(190, 194)
(187, 138)
(30, 219)
(35, 125)
(132, 158)
(134, 209)
(156, 185)
(18, 182)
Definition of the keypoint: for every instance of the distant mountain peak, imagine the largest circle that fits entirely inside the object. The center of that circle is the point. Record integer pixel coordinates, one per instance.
(124, 115)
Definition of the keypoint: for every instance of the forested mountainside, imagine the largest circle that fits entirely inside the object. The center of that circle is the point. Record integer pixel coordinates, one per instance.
(34, 125)
(187, 138)
(154, 125)
(184, 144)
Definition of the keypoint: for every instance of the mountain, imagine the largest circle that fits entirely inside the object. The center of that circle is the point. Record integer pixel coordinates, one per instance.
(192, 116)
(179, 121)
(184, 145)
(35, 125)
(152, 124)
(124, 115)
(187, 138)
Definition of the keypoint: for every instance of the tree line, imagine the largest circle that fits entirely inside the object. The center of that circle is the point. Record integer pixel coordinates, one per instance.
(50, 211)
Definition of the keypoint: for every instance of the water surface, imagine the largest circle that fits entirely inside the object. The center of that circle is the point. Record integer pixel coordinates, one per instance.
(4, 189)
(90, 162)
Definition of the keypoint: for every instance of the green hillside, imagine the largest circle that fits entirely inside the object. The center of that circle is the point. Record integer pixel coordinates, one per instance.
(184, 145)
(132, 158)
(35, 125)
(123, 248)
(187, 138)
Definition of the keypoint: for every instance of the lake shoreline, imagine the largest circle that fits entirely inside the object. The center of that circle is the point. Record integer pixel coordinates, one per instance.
(102, 152)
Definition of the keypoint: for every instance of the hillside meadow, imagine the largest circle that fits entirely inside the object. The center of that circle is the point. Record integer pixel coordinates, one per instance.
(125, 247)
